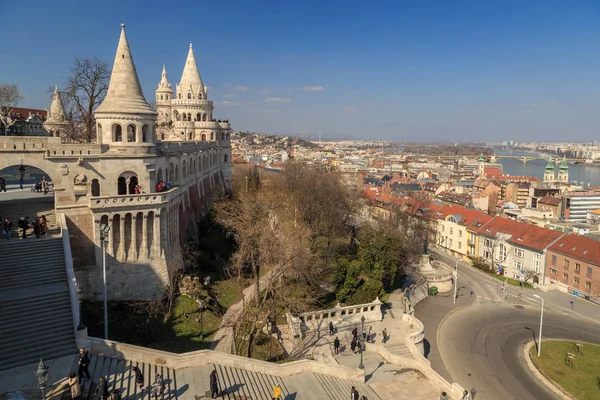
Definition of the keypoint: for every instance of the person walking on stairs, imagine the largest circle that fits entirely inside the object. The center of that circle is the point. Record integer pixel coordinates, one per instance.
(115, 395)
(158, 387)
(214, 384)
(465, 395)
(102, 389)
(139, 378)
(276, 392)
(330, 328)
(74, 386)
(43, 225)
(82, 365)
(336, 345)
(354, 394)
(8, 225)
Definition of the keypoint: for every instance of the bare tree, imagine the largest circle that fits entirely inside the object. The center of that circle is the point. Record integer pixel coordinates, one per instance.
(9, 98)
(84, 90)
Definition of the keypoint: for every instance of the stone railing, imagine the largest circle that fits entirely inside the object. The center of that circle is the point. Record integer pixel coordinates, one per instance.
(206, 124)
(191, 102)
(416, 332)
(71, 279)
(177, 147)
(131, 200)
(341, 317)
(119, 350)
(52, 146)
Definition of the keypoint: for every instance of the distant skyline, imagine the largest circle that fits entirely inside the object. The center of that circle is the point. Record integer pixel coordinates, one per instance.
(397, 70)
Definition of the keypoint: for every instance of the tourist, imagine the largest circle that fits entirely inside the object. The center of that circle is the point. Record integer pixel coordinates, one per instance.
(139, 378)
(2, 185)
(8, 225)
(330, 328)
(353, 345)
(44, 225)
(74, 385)
(364, 335)
(102, 389)
(276, 392)
(24, 225)
(364, 398)
(21, 182)
(82, 365)
(158, 387)
(36, 228)
(355, 333)
(353, 393)
(370, 335)
(384, 335)
(115, 395)
(443, 396)
(214, 384)
(465, 396)
(44, 185)
(136, 189)
(336, 345)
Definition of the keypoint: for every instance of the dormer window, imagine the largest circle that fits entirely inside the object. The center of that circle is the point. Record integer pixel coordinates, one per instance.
(189, 95)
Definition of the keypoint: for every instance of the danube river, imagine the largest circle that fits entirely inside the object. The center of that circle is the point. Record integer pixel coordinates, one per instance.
(587, 174)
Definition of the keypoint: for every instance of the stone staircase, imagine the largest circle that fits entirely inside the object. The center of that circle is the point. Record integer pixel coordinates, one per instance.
(339, 389)
(119, 375)
(399, 349)
(35, 307)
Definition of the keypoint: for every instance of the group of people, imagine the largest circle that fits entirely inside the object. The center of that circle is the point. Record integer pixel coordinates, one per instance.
(163, 187)
(41, 186)
(39, 226)
(103, 392)
(354, 395)
(355, 344)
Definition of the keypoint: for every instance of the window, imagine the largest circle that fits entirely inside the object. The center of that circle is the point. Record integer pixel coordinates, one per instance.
(537, 262)
(472, 237)
(443, 228)
(518, 265)
(589, 271)
(566, 263)
(553, 260)
(451, 231)
(488, 243)
(566, 277)
(450, 243)
(471, 250)
(459, 245)
(487, 254)
(459, 234)
(577, 267)
(519, 253)
(576, 281)
(502, 252)
(588, 285)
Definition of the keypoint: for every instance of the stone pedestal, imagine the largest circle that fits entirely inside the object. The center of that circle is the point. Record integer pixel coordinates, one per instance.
(439, 276)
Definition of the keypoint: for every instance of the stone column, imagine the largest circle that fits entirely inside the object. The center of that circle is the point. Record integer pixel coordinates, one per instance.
(121, 253)
(144, 245)
(139, 133)
(157, 245)
(133, 247)
(98, 242)
(111, 237)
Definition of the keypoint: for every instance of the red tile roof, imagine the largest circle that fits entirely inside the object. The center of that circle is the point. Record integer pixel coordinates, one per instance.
(550, 200)
(580, 247)
(521, 234)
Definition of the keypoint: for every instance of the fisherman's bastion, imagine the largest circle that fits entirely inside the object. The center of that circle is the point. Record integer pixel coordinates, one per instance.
(114, 227)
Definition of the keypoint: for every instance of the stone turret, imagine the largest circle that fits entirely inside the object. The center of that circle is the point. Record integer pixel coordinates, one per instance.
(190, 86)
(164, 94)
(549, 171)
(563, 171)
(57, 121)
(481, 166)
(125, 118)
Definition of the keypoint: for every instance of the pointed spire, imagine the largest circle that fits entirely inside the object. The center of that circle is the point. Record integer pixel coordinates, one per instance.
(190, 79)
(481, 159)
(124, 95)
(164, 86)
(57, 110)
(563, 164)
(550, 165)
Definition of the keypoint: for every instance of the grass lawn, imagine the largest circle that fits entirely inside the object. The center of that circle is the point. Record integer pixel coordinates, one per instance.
(511, 281)
(580, 381)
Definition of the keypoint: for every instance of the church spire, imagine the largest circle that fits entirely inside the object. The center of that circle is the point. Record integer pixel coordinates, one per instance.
(550, 165)
(124, 95)
(190, 82)
(57, 110)
(563, 164)
(164, 86)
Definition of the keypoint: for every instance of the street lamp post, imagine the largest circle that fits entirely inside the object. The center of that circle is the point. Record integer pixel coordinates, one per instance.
(42, 376)
(201, 307)
(541, 325)
(104, 229)
(362, 324)
(360, 350)
(79, 293)
(456, 282)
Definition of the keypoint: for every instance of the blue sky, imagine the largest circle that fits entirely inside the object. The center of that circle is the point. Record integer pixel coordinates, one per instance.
(398, 70)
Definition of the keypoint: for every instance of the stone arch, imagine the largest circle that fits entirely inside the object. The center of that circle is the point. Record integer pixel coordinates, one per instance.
(204, 117)
(189, 116)
(159, 175)
(149, 233)
(117, 132)
(176, 174)
(198, 117)
(99, 131)
(190, 136)
(183, 170)
(95, 188)
(189, 95)
(170, 174)
(116, 233)
(176, 115)
(204, 137)
(145, 133)
(133, 182)
(131, 132)
(128, 235)
(212, 136)
(121, 186)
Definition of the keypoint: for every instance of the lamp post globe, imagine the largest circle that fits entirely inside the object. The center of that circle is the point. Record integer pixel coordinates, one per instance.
(362, 323)
(42, 376)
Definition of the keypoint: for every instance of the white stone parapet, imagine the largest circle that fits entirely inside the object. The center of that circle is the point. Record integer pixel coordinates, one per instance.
(191, 102)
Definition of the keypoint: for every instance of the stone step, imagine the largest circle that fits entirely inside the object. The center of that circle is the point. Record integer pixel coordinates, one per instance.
(48, 348)
(15, 325)
(34, 299)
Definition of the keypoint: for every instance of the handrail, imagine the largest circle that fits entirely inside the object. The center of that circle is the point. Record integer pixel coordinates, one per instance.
(71, 279)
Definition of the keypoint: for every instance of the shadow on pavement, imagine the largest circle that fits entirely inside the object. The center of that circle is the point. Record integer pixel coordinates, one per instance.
(426, 347)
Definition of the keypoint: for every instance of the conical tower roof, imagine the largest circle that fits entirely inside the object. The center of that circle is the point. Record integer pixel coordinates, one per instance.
(124, 94)
(481, 159)
(57, 110)
(164, 86)
(563, 164)
(190, 78)
(550, 164)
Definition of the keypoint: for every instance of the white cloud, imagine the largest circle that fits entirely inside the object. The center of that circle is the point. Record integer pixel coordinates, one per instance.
(313, 88)
(350, 108)
(229, 103)
(230, 96)
(240, 88)
(278, 100)
(264, 91)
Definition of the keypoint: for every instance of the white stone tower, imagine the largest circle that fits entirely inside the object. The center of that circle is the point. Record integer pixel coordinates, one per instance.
(57, 121)
(563, 171)
(481, 166)
(125, 120)
(164, 95)
(549, 171)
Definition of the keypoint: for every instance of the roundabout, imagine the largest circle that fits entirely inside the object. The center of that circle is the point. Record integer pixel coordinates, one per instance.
(482, 346)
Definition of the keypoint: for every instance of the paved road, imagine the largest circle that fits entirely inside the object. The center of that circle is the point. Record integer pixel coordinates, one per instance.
(482, 346)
